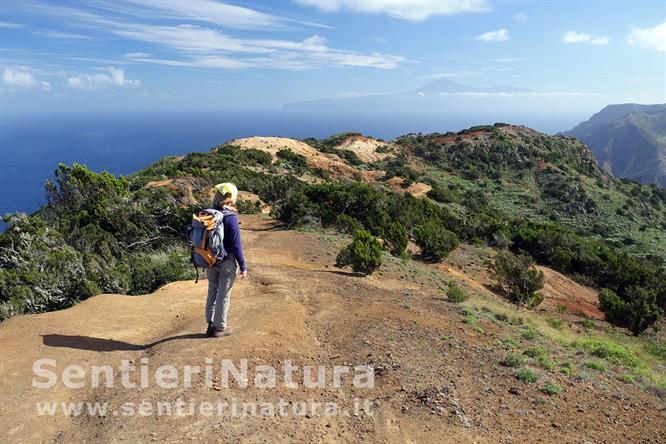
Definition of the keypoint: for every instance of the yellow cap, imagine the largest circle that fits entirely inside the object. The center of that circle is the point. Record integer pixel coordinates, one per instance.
(227, 188)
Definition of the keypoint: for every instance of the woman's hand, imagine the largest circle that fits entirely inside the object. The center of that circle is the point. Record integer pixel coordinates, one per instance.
(243, 274)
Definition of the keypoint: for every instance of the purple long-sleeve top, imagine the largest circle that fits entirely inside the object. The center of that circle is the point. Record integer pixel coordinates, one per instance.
(232, 240)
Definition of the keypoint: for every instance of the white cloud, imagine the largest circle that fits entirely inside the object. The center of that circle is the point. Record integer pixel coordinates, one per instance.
(23, 78)
(200, 46)
(480, 94)
(218, 13)
(10, 25)
(501, 35)
(600, 41)
(450, 74)
(136, 54)
(412, 10)
(108, 77)
(650, 38)
(510, 59)
(290, 60)
(581, 37)
(18, 78)
(65, 35)
(521, 17)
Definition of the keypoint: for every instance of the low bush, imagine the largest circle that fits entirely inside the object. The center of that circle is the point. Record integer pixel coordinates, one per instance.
(396, 239)
(530, 334)
(555, 323)
(513, 360)
(435, 240)
(545, 362)
(363, 254)
(527, 375)
(519, 279)
(567, 368)
(612, 352)
(595, 366)
(455, 293)
(550, 388)
(296, 161)
(535, 352)
(151, 271)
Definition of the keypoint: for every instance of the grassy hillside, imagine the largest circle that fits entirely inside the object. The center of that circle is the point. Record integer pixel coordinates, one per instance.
(500, 185)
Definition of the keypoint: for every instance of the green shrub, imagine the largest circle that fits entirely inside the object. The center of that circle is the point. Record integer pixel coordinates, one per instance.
(529, 334)
(535, 352)
(350, 156)
(595, 365)
(557, 324)
(435, 240)
(151, 271)
(395, 236)
(527, 375)
(293, 160)
(348, 224)
(519, 279)
(510, 342)
(248, 207)
(363, 254)
(629, 379)
(513, 360)
(657, 348)
(637, 313)
(502, 317)
(612, 352)
(567, 368)
(587, 324)
(455, 293)
(545, 362)
(550, 388)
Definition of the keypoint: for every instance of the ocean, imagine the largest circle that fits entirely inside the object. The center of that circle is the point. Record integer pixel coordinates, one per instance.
(32, 145)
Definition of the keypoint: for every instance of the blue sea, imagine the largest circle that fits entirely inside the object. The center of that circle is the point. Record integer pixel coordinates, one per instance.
(32, 145)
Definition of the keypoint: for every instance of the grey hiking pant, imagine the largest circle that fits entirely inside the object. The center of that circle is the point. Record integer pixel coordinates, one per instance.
(220, 281)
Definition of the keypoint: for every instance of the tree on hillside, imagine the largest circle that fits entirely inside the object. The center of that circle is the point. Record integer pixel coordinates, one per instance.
(396, 239)
(637, 313)
(519, 279)
(435, 240)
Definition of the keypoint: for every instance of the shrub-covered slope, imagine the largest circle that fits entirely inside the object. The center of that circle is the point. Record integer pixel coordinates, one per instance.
(505, 186)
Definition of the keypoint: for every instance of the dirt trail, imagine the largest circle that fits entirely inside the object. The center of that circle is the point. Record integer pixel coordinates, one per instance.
(296, 306)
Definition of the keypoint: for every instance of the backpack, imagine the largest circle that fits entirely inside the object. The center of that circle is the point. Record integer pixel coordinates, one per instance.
(206, 238)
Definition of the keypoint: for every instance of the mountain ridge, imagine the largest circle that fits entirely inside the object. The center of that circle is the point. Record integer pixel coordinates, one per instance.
(629, 140)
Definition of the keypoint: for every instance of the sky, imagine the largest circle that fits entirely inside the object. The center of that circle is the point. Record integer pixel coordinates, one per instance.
(112, 55)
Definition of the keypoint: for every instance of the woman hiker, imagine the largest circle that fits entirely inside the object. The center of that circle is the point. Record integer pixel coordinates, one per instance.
(221, 277)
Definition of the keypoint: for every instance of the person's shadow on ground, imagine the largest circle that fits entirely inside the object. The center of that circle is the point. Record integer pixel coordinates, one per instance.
(107, 345)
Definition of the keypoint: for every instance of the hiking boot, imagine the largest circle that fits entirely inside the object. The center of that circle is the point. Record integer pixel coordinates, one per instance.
(210, 331)
(221, 332)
